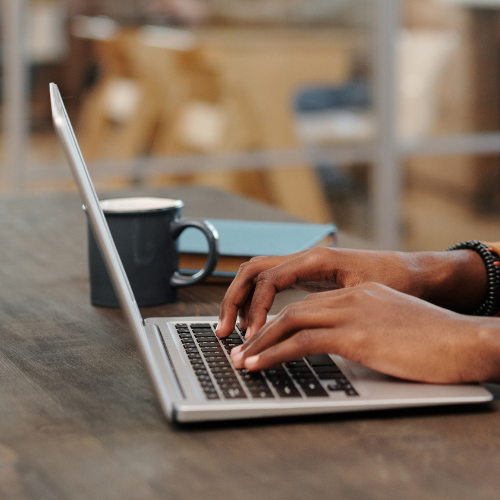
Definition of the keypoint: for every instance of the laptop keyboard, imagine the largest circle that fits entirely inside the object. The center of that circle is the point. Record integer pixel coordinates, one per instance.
(302, 378)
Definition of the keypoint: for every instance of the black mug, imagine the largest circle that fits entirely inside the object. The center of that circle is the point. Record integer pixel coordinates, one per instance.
(145, 232)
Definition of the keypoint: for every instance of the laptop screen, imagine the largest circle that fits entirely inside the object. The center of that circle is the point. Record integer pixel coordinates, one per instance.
(92, 207)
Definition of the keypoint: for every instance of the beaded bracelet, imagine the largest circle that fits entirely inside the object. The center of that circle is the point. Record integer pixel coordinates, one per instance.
(491, 304)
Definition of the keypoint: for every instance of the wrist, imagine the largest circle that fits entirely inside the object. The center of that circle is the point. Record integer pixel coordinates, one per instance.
(456, 280)
(483, 352)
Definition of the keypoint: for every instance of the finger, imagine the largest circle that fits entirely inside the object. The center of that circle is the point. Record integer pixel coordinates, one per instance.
(299, 268)
(330, 294)
(331, 310)
(254, 340)
(304, 313)
(239, 290)
(316, 286)
(303, 343)
(287, 323)
(243, 313)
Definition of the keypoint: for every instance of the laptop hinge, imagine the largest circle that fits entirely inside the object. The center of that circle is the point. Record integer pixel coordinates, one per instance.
(169, 361)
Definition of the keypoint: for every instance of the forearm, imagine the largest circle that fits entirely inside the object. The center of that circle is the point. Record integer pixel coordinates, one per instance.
(479, 352)
(455, 280)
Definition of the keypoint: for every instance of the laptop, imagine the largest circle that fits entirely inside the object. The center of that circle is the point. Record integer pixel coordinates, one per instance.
(191, 369)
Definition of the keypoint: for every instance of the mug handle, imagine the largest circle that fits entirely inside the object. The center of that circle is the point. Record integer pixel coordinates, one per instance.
(176, 227)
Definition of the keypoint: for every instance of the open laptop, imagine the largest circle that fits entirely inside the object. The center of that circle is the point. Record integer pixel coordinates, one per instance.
(191, 369)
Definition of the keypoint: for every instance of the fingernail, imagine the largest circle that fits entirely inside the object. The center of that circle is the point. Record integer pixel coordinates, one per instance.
(237, 357)
(236, 350)
(248, 333)
(252, 361)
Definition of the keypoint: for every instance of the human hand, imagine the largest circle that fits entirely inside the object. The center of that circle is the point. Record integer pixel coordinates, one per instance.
(451, 279)
(382, 329)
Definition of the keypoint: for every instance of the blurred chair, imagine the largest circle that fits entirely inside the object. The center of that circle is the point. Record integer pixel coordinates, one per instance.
(170, 91)
(259, 72)
(423, 57)
(121, 112)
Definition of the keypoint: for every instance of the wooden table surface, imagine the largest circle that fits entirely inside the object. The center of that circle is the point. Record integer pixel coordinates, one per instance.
(79, 419)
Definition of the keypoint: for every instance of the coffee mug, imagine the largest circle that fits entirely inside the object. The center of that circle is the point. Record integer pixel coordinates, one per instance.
(145, 232)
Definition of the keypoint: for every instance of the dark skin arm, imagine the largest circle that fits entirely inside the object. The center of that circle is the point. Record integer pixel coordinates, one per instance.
(392, 332)
(454, 280)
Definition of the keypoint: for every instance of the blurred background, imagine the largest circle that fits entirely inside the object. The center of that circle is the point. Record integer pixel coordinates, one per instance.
(379, 115)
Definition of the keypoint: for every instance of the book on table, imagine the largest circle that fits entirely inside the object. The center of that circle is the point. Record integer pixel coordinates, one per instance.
(240, 240)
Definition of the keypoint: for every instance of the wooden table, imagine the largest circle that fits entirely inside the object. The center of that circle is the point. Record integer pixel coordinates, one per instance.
(79, 419)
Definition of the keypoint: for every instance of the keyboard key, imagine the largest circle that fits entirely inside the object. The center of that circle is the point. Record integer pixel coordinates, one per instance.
(197, 364)
(229, 385)
(234, 393)
(261, 393)
(230, 345)
(342, 381)
(276, 373)
(351, 392)
(216, 356)
(328, 375)
(212, 395)
(281, 382)
(296, 363)
(222, 369)
(287, 390)
(313, 389)
(226, 376)
(194, 355)
(254, 377)
(327, 369)
(226, 383)
(232, 341)
(255, 383)
(334, 387)
(306, 380)
(210, 348)
(323, 369)
(218, 362)
(320, 360)
(207, 383)
(300, 370)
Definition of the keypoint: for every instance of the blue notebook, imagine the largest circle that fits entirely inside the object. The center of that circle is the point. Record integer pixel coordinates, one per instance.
(240, 240)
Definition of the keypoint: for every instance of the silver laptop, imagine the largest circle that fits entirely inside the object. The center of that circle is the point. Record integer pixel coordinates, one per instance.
(191, 369)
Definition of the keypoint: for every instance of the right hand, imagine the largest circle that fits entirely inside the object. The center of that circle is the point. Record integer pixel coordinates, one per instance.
(451, 279)
(385, 330)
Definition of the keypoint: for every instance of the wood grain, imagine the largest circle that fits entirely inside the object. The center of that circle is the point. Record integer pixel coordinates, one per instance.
(79, 419)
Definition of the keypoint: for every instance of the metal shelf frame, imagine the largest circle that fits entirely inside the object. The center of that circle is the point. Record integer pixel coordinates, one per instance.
(386, 152)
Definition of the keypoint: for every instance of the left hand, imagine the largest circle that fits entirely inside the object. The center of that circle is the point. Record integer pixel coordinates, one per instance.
(380, 328)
